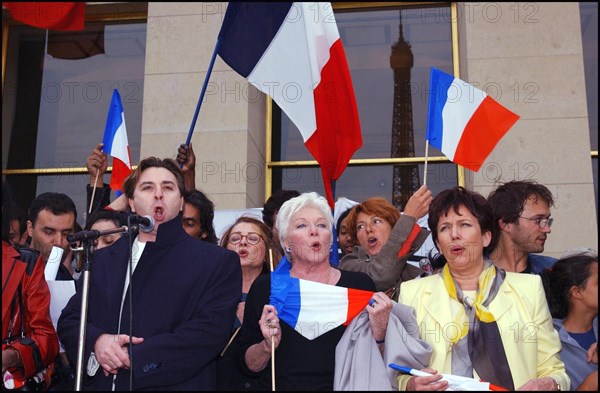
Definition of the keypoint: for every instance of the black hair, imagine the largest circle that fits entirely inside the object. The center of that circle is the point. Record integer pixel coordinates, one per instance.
(273, 204)
(342, 217)
(455, 197)
(573, 271)
(207, 213)
(117, 217)
(56, 203)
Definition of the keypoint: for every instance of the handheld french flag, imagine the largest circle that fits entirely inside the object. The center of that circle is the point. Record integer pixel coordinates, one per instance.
(464, 122)
(116, 143)
(312, 308)
(293, 53)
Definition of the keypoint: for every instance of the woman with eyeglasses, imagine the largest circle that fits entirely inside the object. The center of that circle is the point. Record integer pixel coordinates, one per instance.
(251, 239)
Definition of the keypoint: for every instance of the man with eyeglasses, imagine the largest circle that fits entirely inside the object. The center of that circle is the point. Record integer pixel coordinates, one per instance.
(522, 216)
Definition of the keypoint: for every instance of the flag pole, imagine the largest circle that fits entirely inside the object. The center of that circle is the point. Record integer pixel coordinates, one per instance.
(199, 104)
(272, 341)
(334, 258)
(426, 156)
(94, 191)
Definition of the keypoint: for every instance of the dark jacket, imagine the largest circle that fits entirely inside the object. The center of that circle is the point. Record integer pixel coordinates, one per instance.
(185, 292)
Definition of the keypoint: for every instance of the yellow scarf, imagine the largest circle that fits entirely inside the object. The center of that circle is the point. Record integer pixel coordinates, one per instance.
(484, 283)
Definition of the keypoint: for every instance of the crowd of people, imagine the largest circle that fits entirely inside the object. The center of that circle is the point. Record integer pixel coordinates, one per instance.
(170, 306)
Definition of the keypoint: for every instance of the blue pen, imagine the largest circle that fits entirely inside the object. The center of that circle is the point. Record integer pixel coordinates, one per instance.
(454, 382)
(408, 370)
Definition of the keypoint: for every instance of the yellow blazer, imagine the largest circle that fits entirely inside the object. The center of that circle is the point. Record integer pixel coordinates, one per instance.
(531, 344)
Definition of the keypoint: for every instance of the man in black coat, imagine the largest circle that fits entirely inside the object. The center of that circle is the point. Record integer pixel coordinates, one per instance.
(184, 294)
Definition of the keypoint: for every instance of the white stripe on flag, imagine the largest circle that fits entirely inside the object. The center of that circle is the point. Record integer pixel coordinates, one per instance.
(120, 143)
(323, 308)
(463, 100)
(290, 68)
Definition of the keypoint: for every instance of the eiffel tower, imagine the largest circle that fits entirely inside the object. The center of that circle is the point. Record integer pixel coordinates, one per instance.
(406, 177)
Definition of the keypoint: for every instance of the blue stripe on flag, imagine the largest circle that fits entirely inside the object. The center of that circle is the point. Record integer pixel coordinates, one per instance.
(113, 121)
(285, 293)
(439, 83)
(247, 31)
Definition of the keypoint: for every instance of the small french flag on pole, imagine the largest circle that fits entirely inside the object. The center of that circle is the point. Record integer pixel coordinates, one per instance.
(312, 308)
(116, 143)
(464, 122)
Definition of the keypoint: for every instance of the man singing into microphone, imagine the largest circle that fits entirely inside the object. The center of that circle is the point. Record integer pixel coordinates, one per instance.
(179, 308)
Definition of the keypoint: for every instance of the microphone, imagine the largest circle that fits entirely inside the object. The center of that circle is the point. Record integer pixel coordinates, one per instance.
(145, 223)
(82, 235)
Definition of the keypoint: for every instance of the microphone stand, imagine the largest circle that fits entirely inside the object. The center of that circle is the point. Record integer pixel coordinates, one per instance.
(88, 246)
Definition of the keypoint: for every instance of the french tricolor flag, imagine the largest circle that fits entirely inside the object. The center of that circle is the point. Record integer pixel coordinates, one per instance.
(116, 143)
(312, 308)
(293, 53)
(464, 122)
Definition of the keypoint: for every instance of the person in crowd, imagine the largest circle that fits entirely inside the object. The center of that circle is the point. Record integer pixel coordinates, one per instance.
(522, 215)
(29, 342)
(386, 239)
(105, 220)
(572, 291)
(72, 261)
(305, 233)
(52, 217)
(345, 241)
(165, 330)
(198, 216)
(505, 334)
(17, 220)
(251, 239)
(269, 216)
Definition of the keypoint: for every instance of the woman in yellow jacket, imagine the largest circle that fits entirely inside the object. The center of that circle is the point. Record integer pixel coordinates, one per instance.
(480, 321)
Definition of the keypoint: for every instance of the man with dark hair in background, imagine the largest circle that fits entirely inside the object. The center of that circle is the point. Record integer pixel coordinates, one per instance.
(522, 216)
(51, 219)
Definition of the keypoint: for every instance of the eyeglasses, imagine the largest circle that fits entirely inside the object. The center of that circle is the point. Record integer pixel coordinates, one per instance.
(251, 238)
(542, 222)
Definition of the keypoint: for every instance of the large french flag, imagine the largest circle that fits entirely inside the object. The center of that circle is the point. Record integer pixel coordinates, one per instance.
(464, 122)
(116, 143)
(293, 53)
(312, 308)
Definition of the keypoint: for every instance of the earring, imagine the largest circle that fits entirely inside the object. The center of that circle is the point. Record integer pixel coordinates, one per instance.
(288, 250)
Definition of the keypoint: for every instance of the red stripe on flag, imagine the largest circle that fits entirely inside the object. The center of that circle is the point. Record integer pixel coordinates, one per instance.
(338, 134)
(357, 301)
(119, 172)
(490, 122)
(49, 15)
(405, 249)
